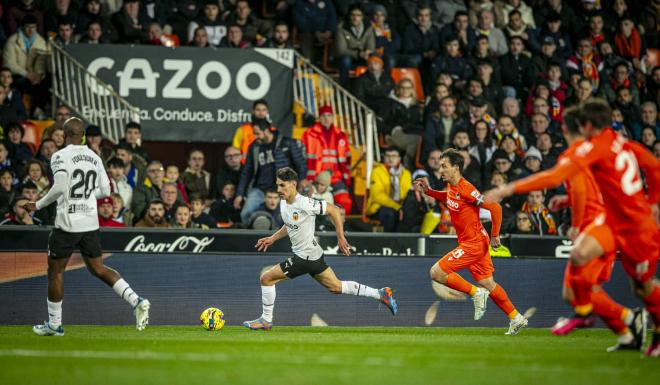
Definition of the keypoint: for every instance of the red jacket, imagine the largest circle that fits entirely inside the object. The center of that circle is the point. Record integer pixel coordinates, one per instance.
(327, 152)
(109, 222)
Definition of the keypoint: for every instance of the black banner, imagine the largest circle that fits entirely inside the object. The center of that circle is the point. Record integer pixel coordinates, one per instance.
(190, 93)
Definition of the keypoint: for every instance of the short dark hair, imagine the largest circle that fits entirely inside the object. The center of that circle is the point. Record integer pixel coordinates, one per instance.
(455, 158)
(4, 68)
(513, 12)
(156, 202)
(258, 102)
(271, 190)
(16, 126)
(124, 146)
(597, 112)
(195, 197)
(29, 185)
(460, 13)
(572, 120)
(391, 149)
(115, 162)
(287, 174)
(135, 125)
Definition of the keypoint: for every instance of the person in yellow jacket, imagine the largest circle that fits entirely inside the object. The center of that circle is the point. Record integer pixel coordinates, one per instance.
(390, 183)
(244, 134)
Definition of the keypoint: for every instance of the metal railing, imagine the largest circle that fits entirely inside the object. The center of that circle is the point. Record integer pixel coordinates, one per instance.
(312, 88)
(88, 96)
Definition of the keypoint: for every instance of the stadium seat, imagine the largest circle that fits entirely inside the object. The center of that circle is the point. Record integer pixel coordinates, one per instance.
(376, 225)
(170, 40)
(359, 70)
(653, 57)
(412, 74)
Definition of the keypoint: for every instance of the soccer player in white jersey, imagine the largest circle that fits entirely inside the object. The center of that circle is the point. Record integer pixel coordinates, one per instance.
(80, 179)
(298, 214)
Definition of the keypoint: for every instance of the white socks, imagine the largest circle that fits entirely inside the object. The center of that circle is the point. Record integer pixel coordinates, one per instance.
(354, 288)
(54, 313)
(268, 302)
(629, 317)
(123, 290)
(625, 338)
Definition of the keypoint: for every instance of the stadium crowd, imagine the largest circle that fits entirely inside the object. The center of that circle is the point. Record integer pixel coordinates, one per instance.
(498, 75)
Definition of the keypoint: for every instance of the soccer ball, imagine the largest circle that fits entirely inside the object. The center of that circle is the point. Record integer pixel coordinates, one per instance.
(212, 319)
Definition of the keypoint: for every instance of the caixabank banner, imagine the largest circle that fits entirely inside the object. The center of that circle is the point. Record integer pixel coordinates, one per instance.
(191, 93)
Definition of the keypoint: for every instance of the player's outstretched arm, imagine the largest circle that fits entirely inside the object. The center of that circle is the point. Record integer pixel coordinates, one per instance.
(264, 243)
(335, 217)
(423, 186)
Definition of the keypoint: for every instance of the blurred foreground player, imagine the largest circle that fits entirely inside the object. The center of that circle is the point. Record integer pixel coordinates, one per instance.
(298, 214)
(463, 201)
(615, 163)
(79, 180)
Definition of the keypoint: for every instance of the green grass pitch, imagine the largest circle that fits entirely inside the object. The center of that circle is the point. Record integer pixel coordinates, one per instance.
(306, 355)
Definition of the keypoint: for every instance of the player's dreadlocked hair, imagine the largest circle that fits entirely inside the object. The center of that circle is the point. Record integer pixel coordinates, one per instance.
(287, 174)
(455, 158)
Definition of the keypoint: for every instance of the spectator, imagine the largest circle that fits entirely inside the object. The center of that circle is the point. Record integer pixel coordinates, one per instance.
(255, 30)
(58, 137)
(134, 166)
(544, 144)
(156, 11)
(460, 140)
(195, 178)
(374, 86)
(200, 38)
(516, 27)
(496, 38)
(473, 95)
(531, 162)
(173, 175)
(511, 107)
(155, 35)
(35, 173)
(558, 89)
(197, 215)
(95, 141)
(281, 36)
(154, 216)
(62, 113)
(509, 204)
(388, 42)
(629, 43)
(586, 62)
(234, 38)
(7, 190)
(118, 182)
(7, 164)
(524, 224)
(223, 210)
(624, 102)
(552, 28)
(609, 59)
(17, 12)
(93, 22)
(440, 126)
(61, 10)
(508, 144)
(504, 8)
(584, 90)
(10, 97)
(269, 152)
(649, 137)
(517, 70)
(433, 101)
(46, 151)
(354, 43)
(452, 62)
(105, 210)
(471, 169)
(229, 171)
(121, 213)
(649, 112)
(321, 188)
(47, 214)
(130, 23)
(557, 9)
(183, 219)
(133, 137)
(402, 119)
(656, 149)
(478, 110)
(328, 149)
(25, 55)
(460, 27)
(535, 207)
(421, 41)
(620, 78)
(18, 216)
(505, 127)
(433, 170)
(491, 88)
(481, 53)
(65, 32)
(267, 216)
(547, 55)
(482, 144)
(417, 212)
(500, 162)
(211, 21)
(390, 183)
(244, 134)
(171, 200)
(316, 22)
(148, 190)
(19, 152)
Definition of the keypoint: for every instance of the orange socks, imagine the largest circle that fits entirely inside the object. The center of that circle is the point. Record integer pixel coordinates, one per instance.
(501, 299)
(457, 282)
(611, 312)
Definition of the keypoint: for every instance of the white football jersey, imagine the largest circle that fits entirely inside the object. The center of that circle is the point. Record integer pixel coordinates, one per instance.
(299, 219)
(85, 174)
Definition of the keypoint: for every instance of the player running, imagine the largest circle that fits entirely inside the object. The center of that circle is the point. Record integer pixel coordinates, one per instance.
(615, 163)
(298, 214)
(79, 180)
(463, 201)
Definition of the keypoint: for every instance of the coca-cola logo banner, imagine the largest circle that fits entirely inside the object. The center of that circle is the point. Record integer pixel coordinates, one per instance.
(183, 243)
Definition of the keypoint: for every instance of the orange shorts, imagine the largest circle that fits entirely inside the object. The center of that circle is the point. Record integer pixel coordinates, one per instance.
(473, 256)
(640, 249)
(598, 270)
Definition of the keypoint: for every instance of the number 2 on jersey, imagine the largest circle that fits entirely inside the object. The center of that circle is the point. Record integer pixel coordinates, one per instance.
(631, 183)
(86, 181)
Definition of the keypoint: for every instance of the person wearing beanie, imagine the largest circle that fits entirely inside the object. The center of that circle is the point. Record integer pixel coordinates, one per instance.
(328, 151)
(531, 162)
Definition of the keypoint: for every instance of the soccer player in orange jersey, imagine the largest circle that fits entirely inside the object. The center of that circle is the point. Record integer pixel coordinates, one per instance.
(463, 201)
(615, 163)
